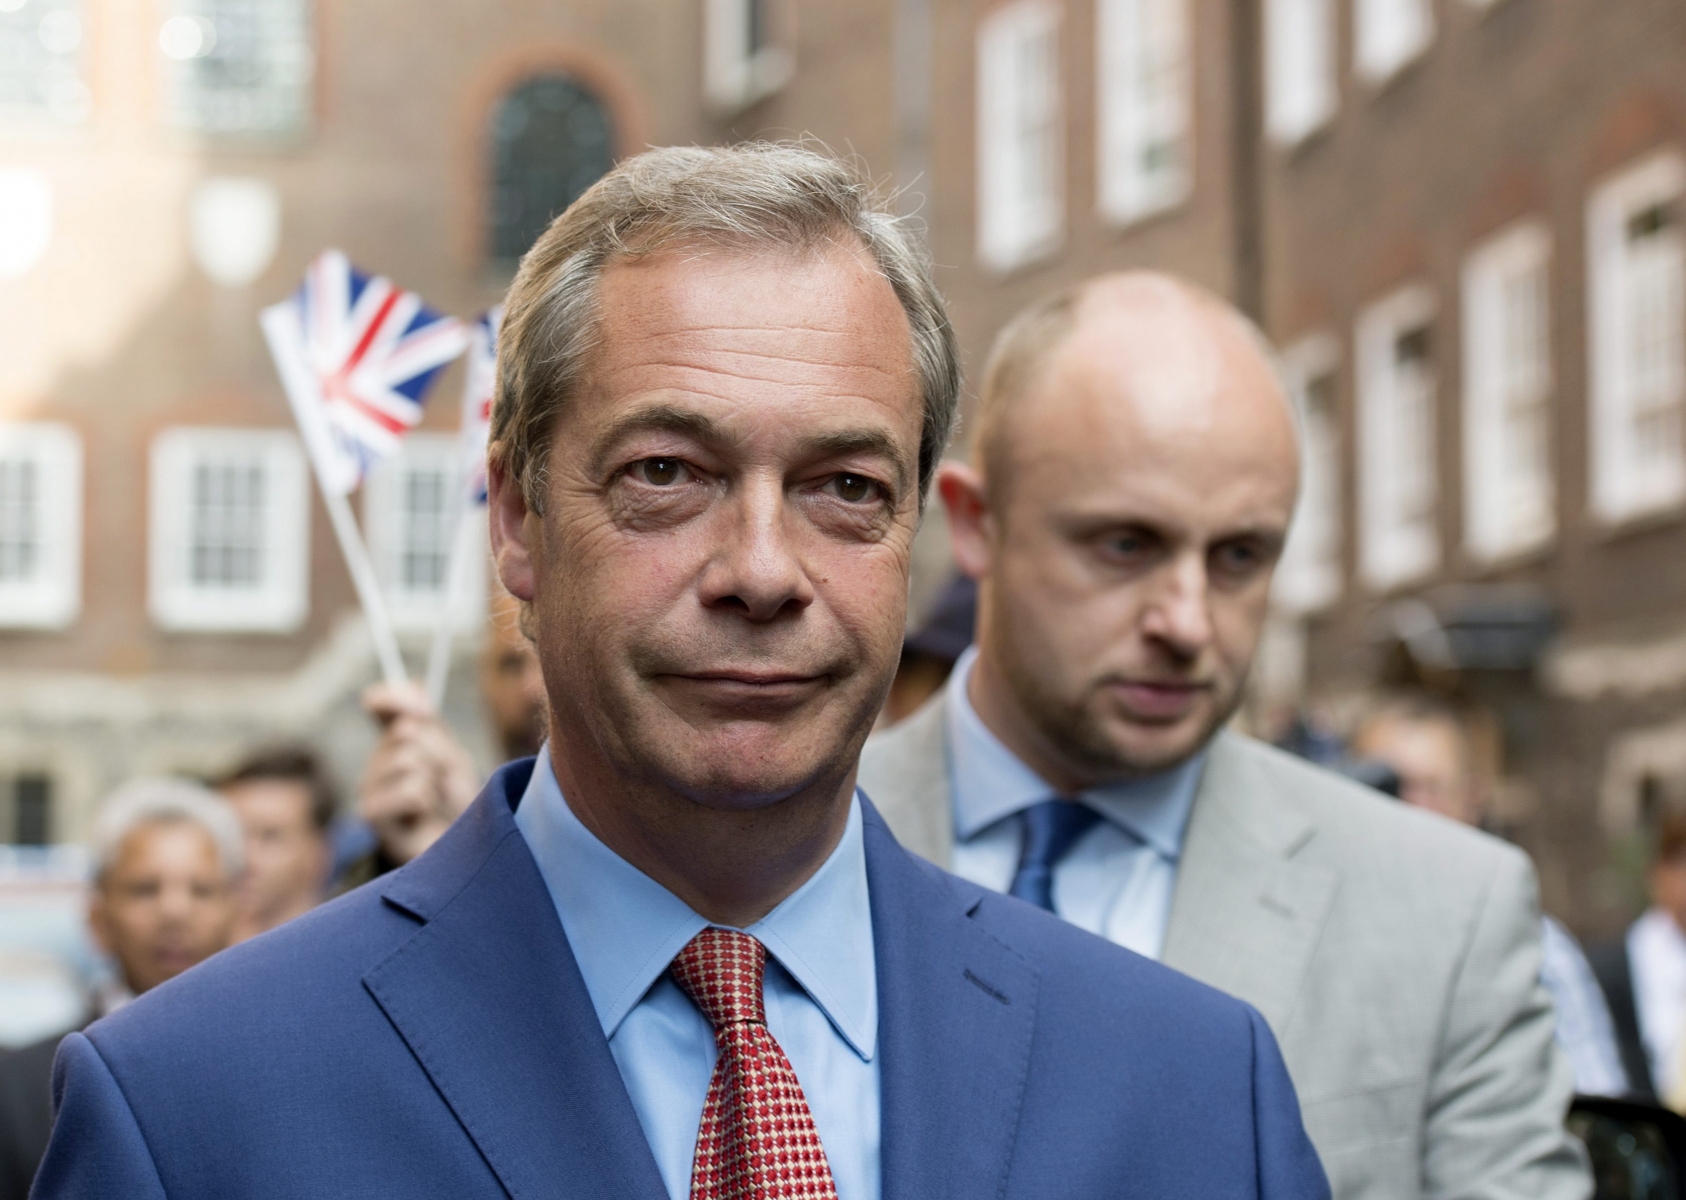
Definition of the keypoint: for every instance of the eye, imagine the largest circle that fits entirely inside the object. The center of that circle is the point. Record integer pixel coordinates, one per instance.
(856, 489)
(658, 472)
(1238, 558)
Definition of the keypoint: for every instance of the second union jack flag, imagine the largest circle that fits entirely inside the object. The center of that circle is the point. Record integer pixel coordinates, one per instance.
(357, 354)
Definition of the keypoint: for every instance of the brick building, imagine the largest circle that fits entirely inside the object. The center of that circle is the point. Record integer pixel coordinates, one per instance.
(1461, 220)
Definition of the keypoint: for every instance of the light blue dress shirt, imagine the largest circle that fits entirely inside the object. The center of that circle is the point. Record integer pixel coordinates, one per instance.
(1118, 879)
(821, 987)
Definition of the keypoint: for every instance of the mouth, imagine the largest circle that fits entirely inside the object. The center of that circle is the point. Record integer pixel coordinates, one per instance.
(1158, 702)
(747, 689)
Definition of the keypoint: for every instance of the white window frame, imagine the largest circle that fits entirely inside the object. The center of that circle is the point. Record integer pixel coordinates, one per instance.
(52, 597)
(1394, 548)
(1620, 487)
(1308, 579)
(188, 33)
(1301, 84)
(385, 525)
(1388, 35)
(737, 74)
(1136, 43)
(280, 602)
(1509, 492)
(1021, 217)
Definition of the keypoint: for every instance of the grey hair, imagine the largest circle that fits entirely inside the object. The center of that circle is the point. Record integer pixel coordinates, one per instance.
(745, 197)
(157, 801)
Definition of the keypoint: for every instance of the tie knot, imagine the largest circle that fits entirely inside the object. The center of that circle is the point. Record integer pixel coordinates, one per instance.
(1050, 829)
(721, 971)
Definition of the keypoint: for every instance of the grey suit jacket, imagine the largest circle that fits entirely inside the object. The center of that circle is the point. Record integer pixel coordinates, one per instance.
(1394, 953)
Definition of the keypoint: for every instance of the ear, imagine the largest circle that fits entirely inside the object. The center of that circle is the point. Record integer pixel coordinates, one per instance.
(970, 523)
(511, 530)
(98, 923)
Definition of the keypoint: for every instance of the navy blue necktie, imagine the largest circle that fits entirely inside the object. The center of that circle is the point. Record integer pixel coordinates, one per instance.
(1051, 828)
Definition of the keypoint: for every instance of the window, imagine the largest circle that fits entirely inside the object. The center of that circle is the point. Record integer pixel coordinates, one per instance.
(551, 140)
(230, 531)
(1390, 33)
(1397, 476)
(742, 62)
(1309, 577)
(1637, 270)
(1507, 394)
(238, 66)
(410, 508)
(40, 525)
(28, 818)
(41, 61)
(1146, 164)
(1300, 94)
(1021, 160)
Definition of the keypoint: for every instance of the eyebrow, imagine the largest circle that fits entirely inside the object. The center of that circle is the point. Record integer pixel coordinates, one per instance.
(666, 418)
(661, 418)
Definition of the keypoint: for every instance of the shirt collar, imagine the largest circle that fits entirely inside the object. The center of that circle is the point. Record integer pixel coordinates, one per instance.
(625, 928)
(991, 783)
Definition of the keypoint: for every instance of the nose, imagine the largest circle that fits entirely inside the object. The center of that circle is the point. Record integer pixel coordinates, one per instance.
(1178, 615)
(756, 570)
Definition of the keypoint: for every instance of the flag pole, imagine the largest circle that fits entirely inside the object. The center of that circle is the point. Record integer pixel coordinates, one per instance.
(367, 583)
(280, 330)
(456, 581)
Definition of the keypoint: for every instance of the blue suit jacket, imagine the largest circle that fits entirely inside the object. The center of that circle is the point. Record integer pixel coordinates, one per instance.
(429, 1036)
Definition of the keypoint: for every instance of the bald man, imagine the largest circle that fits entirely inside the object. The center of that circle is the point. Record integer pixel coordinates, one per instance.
(1134, 471)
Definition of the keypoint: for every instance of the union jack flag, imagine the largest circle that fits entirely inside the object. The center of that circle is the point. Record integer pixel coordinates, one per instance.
(358, 355)
(480, 388)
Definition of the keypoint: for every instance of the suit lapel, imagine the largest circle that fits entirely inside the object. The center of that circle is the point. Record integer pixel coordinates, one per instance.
(957, 1011)
(489, 999)
(905, 771)
(1246, 917)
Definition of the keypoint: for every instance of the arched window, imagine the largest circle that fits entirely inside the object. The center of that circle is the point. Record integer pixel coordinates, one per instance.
(551, 140)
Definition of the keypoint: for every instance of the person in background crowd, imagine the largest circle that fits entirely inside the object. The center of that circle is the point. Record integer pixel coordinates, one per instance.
(167, 854)
(1134, 470)
(1644, 975)
(420, 778)
(929, 652)
(285, 803)
(1422, 740)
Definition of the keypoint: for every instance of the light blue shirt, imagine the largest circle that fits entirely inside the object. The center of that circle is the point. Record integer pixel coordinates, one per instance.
(821, 987)
(1118, 879)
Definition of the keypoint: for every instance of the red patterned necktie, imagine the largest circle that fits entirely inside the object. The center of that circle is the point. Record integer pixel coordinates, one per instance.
(757, 1140)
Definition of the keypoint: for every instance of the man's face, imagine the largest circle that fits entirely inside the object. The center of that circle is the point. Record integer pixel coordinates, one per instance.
(1144, 490)
(719, 579)
(164, 903)
(286, 854)
(1431, 758)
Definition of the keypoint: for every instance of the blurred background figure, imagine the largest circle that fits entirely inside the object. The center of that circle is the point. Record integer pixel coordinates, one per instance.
(286, 804)
(930, 651)
(1421, 740)
(420, 777)
(1644, 975)
(168, 854)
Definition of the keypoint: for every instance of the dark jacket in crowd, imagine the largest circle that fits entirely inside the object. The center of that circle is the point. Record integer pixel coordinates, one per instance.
(26, 1114)
(1615, 975)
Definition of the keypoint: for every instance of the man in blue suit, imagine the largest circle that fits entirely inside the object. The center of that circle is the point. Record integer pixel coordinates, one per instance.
(678, 954)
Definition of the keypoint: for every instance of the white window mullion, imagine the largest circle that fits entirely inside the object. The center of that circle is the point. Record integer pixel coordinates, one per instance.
(1389, 34)
(40, 525)
(1144, 118)
(1508, 488)
(1309, 576)
(409, 504)
(1300, 83)
(1637, 313)
(1021, 160)
(230, 530)
(1398, 478)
